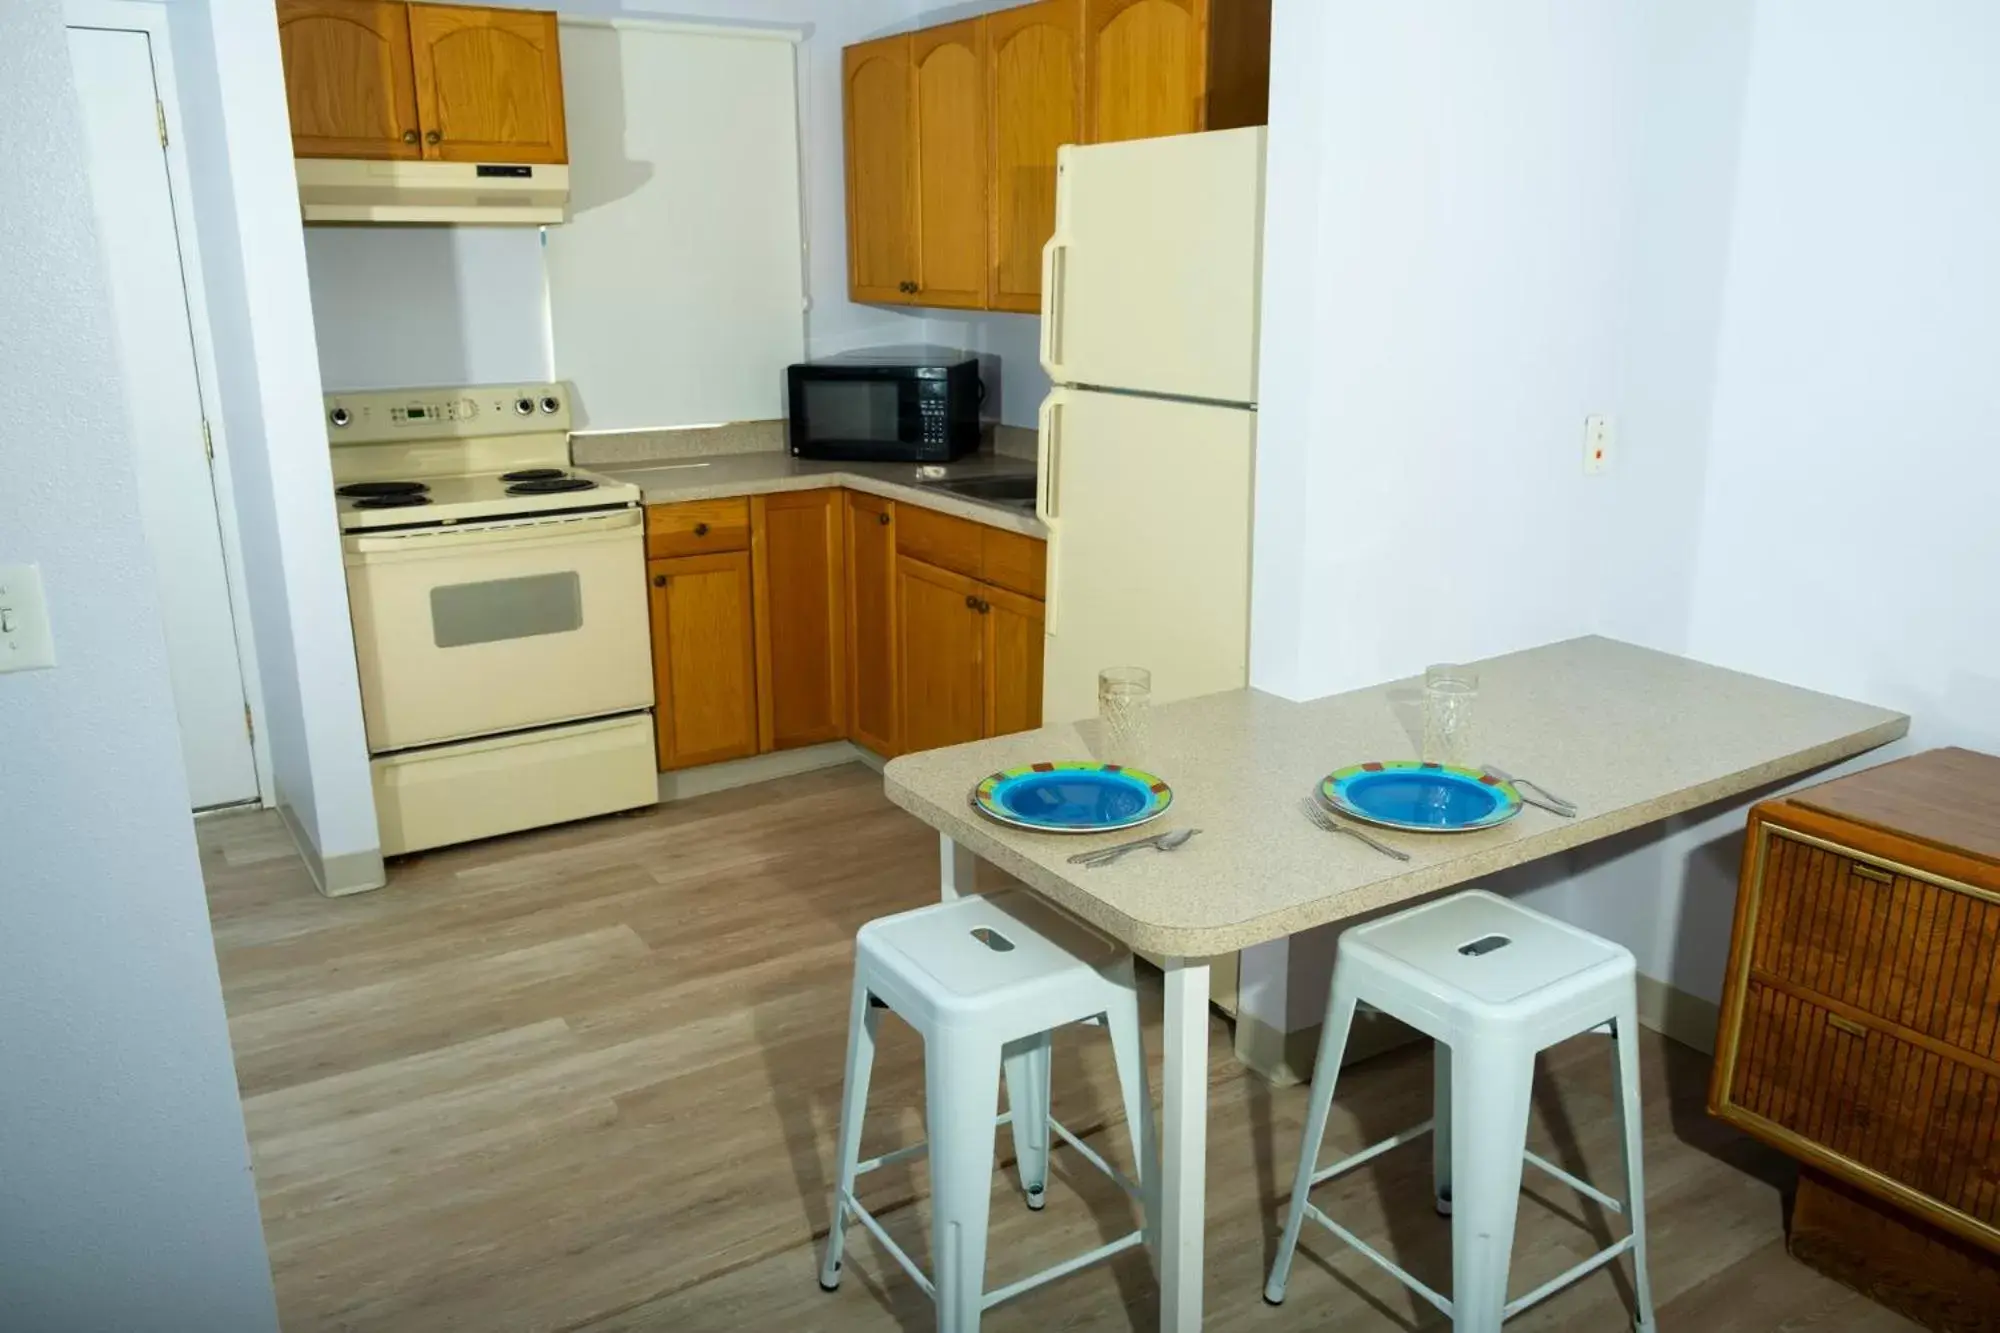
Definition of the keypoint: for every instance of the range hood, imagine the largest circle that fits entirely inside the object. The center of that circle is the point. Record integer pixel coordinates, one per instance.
(506, 193)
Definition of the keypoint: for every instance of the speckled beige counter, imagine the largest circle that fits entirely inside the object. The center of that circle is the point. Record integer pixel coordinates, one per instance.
(765, 472)
(1630, 735)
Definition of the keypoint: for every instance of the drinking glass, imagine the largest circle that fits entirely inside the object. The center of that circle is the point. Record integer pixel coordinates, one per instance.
(1450, 691)
(1124, 697)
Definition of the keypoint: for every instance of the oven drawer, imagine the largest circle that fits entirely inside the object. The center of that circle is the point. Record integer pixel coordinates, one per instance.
(469, 631)
(455, 793)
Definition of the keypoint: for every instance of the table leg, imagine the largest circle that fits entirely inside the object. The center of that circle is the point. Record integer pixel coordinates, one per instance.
(1183, 1145)
(958, 869)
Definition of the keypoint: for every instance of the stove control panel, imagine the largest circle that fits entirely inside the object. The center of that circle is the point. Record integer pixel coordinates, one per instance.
(395, 415)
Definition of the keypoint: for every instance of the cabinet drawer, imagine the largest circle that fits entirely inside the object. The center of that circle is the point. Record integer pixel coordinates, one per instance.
(1015, 562)
(939, 540)
(698, 527)
(1889, 942)
(1896, 1117)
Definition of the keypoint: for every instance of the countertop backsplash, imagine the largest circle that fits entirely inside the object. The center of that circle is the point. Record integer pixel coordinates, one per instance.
(635, 448)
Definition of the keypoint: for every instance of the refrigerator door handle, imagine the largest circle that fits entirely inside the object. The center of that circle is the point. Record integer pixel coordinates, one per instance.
(1054, 270)
(1048, 497)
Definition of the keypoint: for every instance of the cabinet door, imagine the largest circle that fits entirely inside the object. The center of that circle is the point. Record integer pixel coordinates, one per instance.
(1034, 84)
(349, 83)
(704, 658)
(881, 171)
(798, 554)
(1144, 68)
(1013, 661)
(943, 648)
(489, 84)
(872, 706)
(949, 63)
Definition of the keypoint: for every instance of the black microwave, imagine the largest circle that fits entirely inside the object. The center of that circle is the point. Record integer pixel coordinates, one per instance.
(891, 404)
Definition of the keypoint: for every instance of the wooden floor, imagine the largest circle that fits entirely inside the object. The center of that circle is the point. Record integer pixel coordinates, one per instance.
(587, 1079)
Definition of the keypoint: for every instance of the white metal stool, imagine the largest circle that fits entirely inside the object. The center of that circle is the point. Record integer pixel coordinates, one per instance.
(1493, 983)
(985, 980)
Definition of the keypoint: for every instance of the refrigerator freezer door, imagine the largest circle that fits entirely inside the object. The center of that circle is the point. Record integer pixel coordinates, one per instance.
(1148, 507)
(1150, 281)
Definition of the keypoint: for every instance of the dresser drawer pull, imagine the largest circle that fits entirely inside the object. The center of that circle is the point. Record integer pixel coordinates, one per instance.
(1847, 1025)
(1870, 872)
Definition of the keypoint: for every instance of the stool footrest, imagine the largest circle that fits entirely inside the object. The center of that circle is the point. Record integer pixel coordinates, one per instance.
(917, 1149)
(895, 1250)
(1582, 1187)
(1393, 1269)
(1063, 1269)
(1561, 1280)
(1118, 1177)
(1370, 1154)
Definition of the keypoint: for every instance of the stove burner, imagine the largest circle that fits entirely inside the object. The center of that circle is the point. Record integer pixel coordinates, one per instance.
(400, 500)
(534, 474)
(551, 485)
(382, 488)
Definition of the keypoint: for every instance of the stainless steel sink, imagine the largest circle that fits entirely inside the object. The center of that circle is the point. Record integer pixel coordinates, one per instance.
(1013, 492)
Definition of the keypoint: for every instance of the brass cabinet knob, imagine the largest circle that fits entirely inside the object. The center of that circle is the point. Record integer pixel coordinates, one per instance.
(659, 580)
(409, 136)
(432, 136)
(883, 518)
(971, 602)
(701, 529)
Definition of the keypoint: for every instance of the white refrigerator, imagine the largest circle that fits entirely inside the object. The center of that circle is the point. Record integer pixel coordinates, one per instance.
(1148, 439)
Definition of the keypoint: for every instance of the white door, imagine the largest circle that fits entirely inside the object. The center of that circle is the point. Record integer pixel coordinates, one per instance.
(1148, 507)
(1150, 281)
(136, 232)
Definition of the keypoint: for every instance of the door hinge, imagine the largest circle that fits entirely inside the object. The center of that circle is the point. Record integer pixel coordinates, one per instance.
(160, 111)
(249, 723)
(207, 440)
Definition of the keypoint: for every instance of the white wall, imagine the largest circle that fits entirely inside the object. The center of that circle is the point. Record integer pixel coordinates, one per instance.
(125, 1192)
(246, 214)
(494, 283)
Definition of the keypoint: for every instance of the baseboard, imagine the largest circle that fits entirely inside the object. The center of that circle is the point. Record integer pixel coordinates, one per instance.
(1286, 1058)
(684, 783)
(336, 876)
(1677, 1015)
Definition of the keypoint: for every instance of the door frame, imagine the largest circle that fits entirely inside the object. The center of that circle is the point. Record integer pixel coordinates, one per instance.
(150, 17)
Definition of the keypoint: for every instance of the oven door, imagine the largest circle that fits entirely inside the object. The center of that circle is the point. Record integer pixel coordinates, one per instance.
(486, 628)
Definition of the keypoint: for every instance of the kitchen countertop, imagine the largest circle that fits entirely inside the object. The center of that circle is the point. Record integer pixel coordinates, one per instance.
(1631, 735)
(769, 471)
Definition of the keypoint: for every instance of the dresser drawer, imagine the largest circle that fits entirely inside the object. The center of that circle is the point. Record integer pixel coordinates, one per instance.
(1900, 946)
(698, 527)
(1901, 1119)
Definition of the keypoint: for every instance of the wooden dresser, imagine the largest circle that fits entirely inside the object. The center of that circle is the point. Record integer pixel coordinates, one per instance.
(1860, 1027)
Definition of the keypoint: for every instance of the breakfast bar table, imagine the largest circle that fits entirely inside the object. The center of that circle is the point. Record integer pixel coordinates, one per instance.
(1628, 734)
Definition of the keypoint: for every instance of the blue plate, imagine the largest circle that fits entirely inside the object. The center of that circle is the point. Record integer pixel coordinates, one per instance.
(1072, 797)
(1422, 798)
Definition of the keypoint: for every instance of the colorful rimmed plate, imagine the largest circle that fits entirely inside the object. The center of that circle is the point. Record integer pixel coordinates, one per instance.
(1072, 797)
(1422, 798)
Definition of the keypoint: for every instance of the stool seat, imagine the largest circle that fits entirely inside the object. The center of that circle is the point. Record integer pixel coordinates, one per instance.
(984, 981)
(978, 956)
(1492, 983)
(1478, 953)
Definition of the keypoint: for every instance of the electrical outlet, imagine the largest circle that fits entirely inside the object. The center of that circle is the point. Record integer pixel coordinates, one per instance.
(25, 644)
(1596, 444)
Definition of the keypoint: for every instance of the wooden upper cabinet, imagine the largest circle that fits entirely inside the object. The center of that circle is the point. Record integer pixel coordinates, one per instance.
(942, 661)
(1144, 65)
(489, 84)
(1034, 82)
(350, 85)
(949, 62)
(881, 171)
(704, 658)
(872, 707)
(799, 555)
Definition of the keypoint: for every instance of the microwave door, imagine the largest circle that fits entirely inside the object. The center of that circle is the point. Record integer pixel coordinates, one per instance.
(841, 415)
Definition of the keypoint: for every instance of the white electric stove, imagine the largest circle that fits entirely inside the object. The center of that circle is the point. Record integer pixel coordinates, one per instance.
(500, 613)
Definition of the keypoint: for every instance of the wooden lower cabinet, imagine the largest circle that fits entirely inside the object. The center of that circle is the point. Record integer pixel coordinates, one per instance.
(873, 717)
(942, 666)
(1013, 666)
(1860, 1027)
(798, 553)
(704, 658)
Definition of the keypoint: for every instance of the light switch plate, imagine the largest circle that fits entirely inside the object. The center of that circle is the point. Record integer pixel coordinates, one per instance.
(25, 644)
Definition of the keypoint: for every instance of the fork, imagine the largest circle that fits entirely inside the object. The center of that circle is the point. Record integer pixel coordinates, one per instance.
(1319, 815)
(1550, 801)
